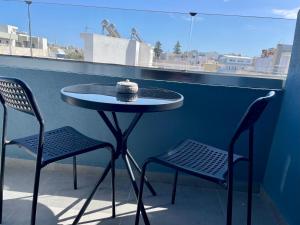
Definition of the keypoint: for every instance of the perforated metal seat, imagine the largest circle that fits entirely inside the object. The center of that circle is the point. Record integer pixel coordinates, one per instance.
(60, 144)
(199, 159)
(210, 163)
(48, 146)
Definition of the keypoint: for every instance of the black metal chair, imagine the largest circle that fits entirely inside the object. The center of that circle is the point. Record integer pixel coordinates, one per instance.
(201, 160)
(47, 147)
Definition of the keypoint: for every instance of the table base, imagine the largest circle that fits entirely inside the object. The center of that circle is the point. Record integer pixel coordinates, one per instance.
(121, 150)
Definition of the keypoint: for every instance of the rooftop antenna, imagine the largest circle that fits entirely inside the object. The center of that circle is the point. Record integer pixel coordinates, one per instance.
(104, 24)
(113, 30)
(135, 35)
(86, 28)
(29, 2)
(110, 28)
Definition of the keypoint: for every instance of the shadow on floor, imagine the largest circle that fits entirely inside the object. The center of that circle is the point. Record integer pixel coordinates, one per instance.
(59, 203)
(18, 212)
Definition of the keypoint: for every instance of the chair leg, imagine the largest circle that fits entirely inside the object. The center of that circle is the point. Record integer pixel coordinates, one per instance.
(2, 180)
(229, 192)
(113, 169)
(250, 177)
(75, 172)
(140, 197)
(140, 171)
(35, 194)
(174, 187)
(250, 189)
(229, 206)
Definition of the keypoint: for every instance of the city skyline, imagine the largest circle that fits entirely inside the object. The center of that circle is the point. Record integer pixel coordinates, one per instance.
(224, 34)
(109, 48)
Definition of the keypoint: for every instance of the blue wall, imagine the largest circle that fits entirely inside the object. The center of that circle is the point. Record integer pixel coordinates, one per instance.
(210, 114)
(282, 180)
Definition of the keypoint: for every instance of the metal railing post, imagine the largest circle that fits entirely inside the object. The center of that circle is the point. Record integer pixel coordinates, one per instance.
(192, 15)
(29, 2)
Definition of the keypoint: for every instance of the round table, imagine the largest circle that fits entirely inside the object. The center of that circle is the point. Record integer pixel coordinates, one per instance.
(103, 98)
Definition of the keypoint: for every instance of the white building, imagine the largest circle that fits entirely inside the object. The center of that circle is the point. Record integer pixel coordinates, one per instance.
(264, 64)
(233, 63)
(282, 58)
(274, 60)
(13, 42)
(8, 35)
(115, 50)
(284, 62)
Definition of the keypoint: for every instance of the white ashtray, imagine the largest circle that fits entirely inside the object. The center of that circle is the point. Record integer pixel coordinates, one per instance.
(127, 87)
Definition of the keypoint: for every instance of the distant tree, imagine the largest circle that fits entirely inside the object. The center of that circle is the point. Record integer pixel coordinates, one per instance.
(177, 48)
(75, 54)
(157, 49)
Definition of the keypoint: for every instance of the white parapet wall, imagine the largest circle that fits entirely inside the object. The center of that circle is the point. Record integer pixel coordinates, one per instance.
(104, 49)
(20, 51)
(146, 54)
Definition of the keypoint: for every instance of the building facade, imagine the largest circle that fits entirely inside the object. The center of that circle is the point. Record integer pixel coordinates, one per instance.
(234, 63)
(115, 50)
(14, 42)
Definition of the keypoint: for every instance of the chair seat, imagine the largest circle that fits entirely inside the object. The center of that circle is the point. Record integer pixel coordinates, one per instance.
(199, 159)
(60, 143)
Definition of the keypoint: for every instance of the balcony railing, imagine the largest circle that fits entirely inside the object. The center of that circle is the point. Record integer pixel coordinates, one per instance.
(210, 113)
(196, 42)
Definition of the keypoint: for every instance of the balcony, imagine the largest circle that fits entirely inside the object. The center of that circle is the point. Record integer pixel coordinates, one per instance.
(216, 94)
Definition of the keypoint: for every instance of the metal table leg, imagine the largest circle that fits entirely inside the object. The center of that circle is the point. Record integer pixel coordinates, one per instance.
(89, 199)
(121, 150)
(135, 188)
(140, 172)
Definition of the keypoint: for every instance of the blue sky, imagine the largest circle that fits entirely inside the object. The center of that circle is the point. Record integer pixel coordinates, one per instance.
(245, 35)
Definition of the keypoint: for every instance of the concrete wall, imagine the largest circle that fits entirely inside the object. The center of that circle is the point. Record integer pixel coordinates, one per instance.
(209, 114)
(7, 50)
(282, 180)
(111, 50)
(102, 49)
(132, 51)
(145, 55)
(88, 46)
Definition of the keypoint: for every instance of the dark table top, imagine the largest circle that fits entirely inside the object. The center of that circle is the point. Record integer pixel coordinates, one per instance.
(105, 98)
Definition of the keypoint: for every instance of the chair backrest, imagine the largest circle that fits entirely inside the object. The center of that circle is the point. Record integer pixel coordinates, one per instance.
(15, 94)
(252, 114)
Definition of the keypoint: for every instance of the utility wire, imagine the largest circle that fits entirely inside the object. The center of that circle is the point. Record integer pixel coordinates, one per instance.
(152, 11)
